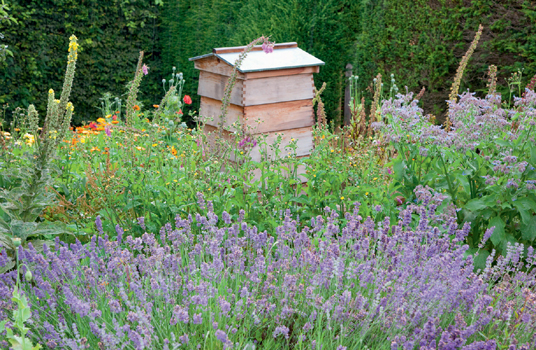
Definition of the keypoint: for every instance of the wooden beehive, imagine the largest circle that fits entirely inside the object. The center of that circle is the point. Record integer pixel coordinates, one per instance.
(273, 93)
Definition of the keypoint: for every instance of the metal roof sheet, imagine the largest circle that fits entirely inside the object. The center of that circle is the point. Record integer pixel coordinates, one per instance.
(256, 61)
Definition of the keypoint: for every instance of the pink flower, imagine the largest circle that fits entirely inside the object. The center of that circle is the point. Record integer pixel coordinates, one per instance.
(145, 69)
(267, 47)
(107, 130)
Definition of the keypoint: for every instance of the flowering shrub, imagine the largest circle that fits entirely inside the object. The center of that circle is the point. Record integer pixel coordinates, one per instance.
(485, 164)
(340, 283)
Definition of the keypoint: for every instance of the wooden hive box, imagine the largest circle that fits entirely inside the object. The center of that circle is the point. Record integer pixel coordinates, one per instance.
(273, 94)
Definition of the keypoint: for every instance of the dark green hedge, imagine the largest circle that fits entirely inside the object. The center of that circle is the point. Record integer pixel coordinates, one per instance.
(111, 33)
(420, 41)
(325, 28)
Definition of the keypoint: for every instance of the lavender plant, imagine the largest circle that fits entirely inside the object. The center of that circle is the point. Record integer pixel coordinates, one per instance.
(340, 283)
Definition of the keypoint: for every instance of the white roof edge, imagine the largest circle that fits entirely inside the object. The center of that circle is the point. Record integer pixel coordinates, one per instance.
(288, 58)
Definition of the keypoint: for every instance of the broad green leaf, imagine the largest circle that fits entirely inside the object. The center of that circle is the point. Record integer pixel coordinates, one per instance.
(503, 143)
(498, 237)
(398, 168)
(476, 204)
(533, 155)
(525, 203)
(480, 260)
(528, 230)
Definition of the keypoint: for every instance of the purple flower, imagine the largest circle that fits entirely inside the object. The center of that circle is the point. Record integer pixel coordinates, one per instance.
(98, 224)
(281, 330)
(141, 222)
(145, 69)
(221, 336)
(108, 130)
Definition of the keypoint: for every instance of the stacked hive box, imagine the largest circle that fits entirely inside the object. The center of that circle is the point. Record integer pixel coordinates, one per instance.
(272, 95)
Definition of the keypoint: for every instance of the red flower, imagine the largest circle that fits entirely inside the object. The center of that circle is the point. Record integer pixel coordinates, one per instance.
(179, 112)
(114, 117)
(93, 125)
(187, 99)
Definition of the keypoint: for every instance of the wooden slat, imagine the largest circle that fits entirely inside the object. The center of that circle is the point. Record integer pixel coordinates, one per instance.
(210, 112)
(213, 85)
(221, 50)
(278, 116)
(217, 66)
(280, 72)
(277, 89)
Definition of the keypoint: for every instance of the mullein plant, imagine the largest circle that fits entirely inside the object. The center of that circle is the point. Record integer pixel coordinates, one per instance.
(21, 206)
(132, 106)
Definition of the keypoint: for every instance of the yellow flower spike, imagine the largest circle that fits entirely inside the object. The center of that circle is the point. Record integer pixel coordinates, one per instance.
(51, 91)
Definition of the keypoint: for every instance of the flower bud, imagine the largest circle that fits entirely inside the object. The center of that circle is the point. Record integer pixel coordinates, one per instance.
(16, 241)
(28, 275)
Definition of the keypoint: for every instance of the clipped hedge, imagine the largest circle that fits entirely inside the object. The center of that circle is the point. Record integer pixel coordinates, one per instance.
(423, 41)
(111, 34)
(420, 41)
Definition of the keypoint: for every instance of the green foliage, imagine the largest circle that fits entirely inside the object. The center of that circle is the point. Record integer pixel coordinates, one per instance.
(4, 17)
(326, 29)
(422, 42)
(22, 205)
(111, 35)
(486, 167)
(20, 316)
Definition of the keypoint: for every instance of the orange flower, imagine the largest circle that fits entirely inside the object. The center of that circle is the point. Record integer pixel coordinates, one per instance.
(115, 121)
(136, 107)
(156, 106)
(173, 151)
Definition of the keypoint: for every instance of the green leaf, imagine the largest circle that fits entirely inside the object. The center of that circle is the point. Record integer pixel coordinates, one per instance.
(533, 155)
(476, 204)
(503, 143)
(525, 203)
(528, 230)
(398, 168)
(499, 236)
(480, 260)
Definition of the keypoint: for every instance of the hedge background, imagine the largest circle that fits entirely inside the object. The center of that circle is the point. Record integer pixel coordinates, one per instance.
(420, 41)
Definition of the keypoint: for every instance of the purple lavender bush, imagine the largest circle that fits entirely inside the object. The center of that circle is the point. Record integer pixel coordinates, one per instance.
(342, 283)
(485, 163)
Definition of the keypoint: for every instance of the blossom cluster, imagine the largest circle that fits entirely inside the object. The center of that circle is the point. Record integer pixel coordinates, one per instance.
(213, 282)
